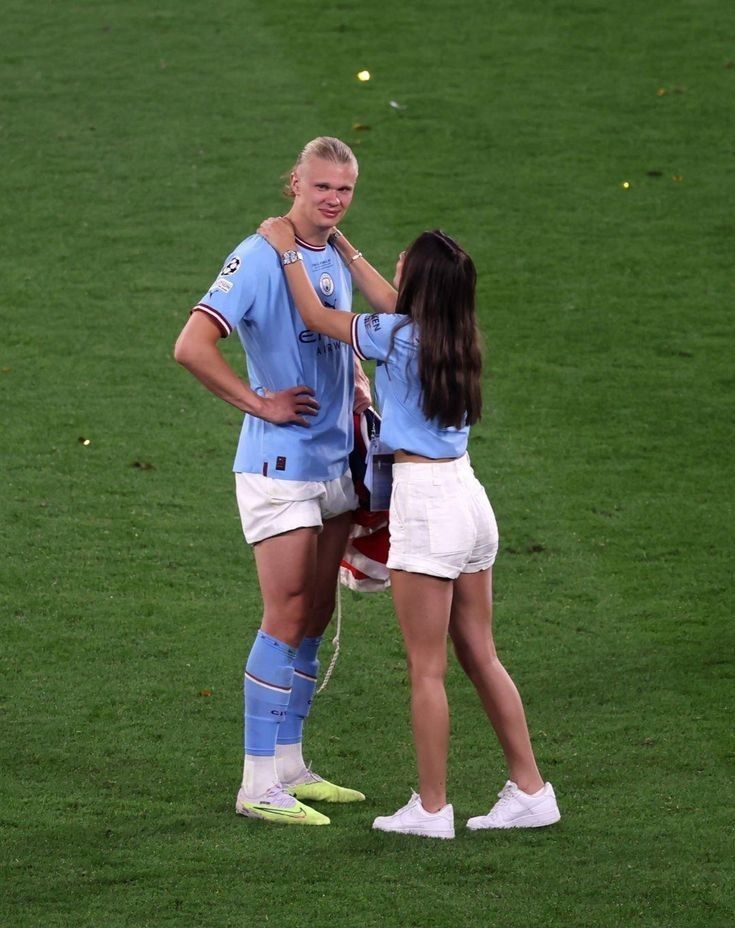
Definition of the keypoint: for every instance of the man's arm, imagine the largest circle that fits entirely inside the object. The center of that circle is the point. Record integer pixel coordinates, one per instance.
(197, 350)
(363, 396)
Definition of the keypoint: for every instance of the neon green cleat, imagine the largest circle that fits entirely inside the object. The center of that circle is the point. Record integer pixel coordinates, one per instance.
(279, 806)
(312, 787)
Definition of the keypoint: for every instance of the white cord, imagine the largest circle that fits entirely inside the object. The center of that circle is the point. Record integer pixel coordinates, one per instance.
(335, 642)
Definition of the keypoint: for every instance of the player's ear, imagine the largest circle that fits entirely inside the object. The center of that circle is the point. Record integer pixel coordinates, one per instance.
(294, 180)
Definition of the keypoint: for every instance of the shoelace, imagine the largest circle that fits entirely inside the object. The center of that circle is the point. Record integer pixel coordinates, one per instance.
(276, 795)
(311, 777)
(505, 796)
(411, 802)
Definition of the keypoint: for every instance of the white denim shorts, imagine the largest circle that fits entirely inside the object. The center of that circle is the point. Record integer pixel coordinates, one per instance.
(441, 521)
(270, 507)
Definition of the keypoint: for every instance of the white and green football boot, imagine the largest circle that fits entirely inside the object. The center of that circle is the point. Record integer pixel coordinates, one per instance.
(279, 806)
(310, 786)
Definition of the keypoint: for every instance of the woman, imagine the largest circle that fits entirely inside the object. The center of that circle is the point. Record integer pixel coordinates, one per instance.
(443, 532)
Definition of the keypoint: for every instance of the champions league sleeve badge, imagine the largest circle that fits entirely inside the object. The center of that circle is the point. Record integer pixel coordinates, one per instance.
(230, 267)
(326, 284)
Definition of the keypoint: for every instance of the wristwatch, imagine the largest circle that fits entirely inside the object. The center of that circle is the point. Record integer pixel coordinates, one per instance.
(291, 257)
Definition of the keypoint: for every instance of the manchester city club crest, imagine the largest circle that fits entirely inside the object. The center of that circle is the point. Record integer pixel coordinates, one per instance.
(326, 284)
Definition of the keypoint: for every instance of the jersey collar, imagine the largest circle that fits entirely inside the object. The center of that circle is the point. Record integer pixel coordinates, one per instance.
(302, 244)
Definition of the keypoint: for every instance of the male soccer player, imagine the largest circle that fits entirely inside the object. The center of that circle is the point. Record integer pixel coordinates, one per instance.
(294, 488)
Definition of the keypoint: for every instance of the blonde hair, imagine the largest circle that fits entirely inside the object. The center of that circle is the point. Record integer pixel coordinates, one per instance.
(328, 149)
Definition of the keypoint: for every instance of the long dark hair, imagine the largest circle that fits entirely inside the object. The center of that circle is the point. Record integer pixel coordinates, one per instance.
(437, 292)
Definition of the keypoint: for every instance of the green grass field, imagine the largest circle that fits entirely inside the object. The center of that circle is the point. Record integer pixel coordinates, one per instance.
(139, 143)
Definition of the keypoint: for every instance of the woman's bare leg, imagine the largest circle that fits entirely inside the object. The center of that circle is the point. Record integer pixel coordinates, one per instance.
(471, 632)
(423, 605)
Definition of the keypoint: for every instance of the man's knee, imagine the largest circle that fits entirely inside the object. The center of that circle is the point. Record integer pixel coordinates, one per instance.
(290, 608)
(323, 607)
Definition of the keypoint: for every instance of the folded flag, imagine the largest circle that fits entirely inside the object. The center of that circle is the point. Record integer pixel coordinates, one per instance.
(363, 564)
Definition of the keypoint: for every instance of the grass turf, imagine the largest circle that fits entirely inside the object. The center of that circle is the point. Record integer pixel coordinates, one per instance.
(139, 144)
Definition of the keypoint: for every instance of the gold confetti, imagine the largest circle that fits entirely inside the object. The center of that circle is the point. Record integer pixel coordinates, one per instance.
(363, 76)
(626, 185)
(84, 441)
(661, 92)
(360, 127)
(205, 692)
(677, 177)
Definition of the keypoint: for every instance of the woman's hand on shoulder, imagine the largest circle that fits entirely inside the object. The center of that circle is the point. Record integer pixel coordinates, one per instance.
(279, 233)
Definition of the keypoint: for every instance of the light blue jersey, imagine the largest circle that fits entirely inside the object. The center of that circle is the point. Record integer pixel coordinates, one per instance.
(398, 387)
(251, 295)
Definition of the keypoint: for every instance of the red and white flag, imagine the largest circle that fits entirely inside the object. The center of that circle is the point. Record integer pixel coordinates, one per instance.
(363, 566)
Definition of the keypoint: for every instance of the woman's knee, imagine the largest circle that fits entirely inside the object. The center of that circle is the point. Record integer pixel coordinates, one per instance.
(426, 669)
(475, 661)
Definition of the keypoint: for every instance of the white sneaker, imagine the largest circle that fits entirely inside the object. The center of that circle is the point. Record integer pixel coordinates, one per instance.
(516, 809)
(413, 819)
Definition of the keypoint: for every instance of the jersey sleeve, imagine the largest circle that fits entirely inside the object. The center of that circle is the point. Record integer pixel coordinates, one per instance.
(230, 298)
(372, 334)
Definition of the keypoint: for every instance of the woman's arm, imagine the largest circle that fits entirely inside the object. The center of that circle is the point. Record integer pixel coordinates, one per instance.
(319, 318)
(379, 293)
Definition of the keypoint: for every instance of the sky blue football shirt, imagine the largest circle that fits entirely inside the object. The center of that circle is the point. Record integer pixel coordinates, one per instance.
(398, 387)
(250, 294)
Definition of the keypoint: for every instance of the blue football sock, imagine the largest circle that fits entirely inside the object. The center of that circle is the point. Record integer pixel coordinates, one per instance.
(306, 670)
(268, 679)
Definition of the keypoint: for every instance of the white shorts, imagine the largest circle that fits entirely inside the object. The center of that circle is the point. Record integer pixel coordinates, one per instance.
(270, 507)
(441, 521)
